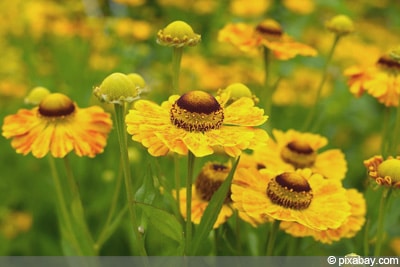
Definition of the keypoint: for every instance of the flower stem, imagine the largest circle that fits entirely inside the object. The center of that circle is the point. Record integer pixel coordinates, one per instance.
(312, 113)
(122, 137)
(381, 221)
(177, 181)
(272, 237)
(267, 91)
(103, 233)
(189, 181)
(176, 66)
(64, 216)
(78, 216)
(385, 143)
(396, 132)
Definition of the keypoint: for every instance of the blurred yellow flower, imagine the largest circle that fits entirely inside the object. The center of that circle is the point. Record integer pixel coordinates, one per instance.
(198, 122)
(207, 183)
(291, 150)
(14, 223)
(382, 80)
(9, 88)
(131, 2)
(301, 7)
(348, 229)
(58, 125)
(244, 8)
(295, 196)
(296, 89)
(129, 28)
(269, 34)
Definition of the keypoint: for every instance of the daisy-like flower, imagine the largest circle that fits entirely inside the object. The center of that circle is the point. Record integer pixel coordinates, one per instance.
(292, 150)
(384, 172)
(382, 80)
(268, 33)
(207, 183)
(198, 122)
(296, 196)
(348, 229)
(58, 125)
(178, 34)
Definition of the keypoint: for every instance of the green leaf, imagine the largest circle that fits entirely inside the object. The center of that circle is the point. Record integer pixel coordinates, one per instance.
(147, 192)
(165, 222)
(211, 213)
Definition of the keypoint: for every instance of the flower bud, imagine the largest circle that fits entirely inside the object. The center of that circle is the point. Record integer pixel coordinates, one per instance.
(36, 95)
(117, 88)
(178, 34)
(340, 25)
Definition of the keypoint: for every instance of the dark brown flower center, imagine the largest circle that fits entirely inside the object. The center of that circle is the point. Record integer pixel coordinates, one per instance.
(269, 29)
(299, 154)
(388, 63)
(197, 111)
(56, 105)
(210, 179)
(290, 190)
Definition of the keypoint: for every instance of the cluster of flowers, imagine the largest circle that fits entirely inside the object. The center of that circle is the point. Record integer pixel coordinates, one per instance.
(285, 179)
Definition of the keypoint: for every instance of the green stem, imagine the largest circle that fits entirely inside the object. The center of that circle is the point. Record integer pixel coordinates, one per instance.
(385, 143)
(272, 237)
(64, 215)
(313, 111)
(238, 233)
(396, 132)
(189, 181)
(78, 216)
(103, 233)
(176, 66)
(381, 221)
(177, 181)
(122, 137)
(267, 92)
(366, 238)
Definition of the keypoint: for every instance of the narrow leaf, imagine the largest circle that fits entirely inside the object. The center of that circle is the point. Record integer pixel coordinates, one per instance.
(211, 212)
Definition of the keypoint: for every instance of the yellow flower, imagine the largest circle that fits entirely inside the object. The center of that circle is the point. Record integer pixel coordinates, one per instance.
(58, 125)
(196, 121)
(301, 7)
(244, 8)
(268, 33)
(384, 172)
(293, 150)
(207, 183)
(382, 81)
(178, 34)
(14, 223)
(298, 88)
(348, 229)
(299, 196)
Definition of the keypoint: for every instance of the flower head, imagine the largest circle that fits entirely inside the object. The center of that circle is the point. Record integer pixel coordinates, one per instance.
(340, 25)
(381, 80)
(293, 150)
(178, 34)
(384, 172)
(118, 88)
(58, 125)
(269, 34)
(198, 122)
(207, 183)
(299, 196)
(348, 229)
